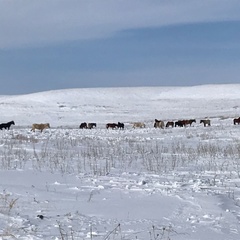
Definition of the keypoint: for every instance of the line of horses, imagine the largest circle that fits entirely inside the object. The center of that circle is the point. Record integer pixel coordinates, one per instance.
(40, 126)
(180, 123)
(157, 124)
(119, 125)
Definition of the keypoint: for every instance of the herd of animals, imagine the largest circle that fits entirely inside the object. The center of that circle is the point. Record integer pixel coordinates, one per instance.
(157, 124)
(119, 125)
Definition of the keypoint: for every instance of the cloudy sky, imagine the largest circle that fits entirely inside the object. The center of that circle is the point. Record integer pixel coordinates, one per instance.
(56, 44)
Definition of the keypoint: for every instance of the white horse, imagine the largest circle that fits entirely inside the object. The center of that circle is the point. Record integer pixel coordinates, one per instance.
(159, 124)
(40, 126)
(139, 125)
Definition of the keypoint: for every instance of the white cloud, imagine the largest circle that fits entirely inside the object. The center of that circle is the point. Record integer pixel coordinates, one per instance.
(42, 22)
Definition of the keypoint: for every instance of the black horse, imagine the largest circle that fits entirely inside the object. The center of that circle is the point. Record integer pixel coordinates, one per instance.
(179, 123)
(120, 125)
(91, 125)
(6, 125)
(83, 125)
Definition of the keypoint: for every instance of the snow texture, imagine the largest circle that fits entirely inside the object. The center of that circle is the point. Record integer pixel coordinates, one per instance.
(180, 183)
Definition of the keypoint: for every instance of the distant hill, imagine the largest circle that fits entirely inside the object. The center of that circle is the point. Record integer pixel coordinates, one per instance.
(69, 107)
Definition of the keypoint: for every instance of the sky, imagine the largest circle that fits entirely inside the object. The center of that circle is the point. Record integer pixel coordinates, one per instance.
(57, 44)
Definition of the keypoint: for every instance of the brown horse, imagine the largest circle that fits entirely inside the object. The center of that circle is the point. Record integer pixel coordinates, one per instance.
(158, 124)
(111, 125)
(40, 126)
(184, 123)
(236, 121)
(170, 124)
(206, 122)
(191, 121)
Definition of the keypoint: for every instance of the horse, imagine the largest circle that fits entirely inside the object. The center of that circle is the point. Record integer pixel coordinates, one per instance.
(91, 125)
(40, 126)
(179, 123)
(236, 121)
(191, 121)
(111, 125)
(83, 125)
(170, 124)
(158, 124)
(120, 125)
(139, 125)
(6, 125)
(206, 122)
(188, 122)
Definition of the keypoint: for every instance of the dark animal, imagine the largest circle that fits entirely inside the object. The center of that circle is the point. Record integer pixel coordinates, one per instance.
(188, 122)
(6, 125)
(179, 123)
(139, 125)
(206, 122)
(120, 125)
(111, 125)
(83, 125)
(40, 216)
(158, 124)
(91, 125)
(170, 124)
(184, 123)
(40, 126)
(236, 121)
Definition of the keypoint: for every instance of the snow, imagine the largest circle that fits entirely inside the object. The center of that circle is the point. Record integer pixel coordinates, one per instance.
(71, 183)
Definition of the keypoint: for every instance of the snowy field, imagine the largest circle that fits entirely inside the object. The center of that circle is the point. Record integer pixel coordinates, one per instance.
(180, 183)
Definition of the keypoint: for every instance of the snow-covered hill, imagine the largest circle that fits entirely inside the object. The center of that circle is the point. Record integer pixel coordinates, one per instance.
(69, 107)
(180, 183)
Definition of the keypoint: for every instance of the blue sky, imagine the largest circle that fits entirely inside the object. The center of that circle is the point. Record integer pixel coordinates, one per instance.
(49, 45)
